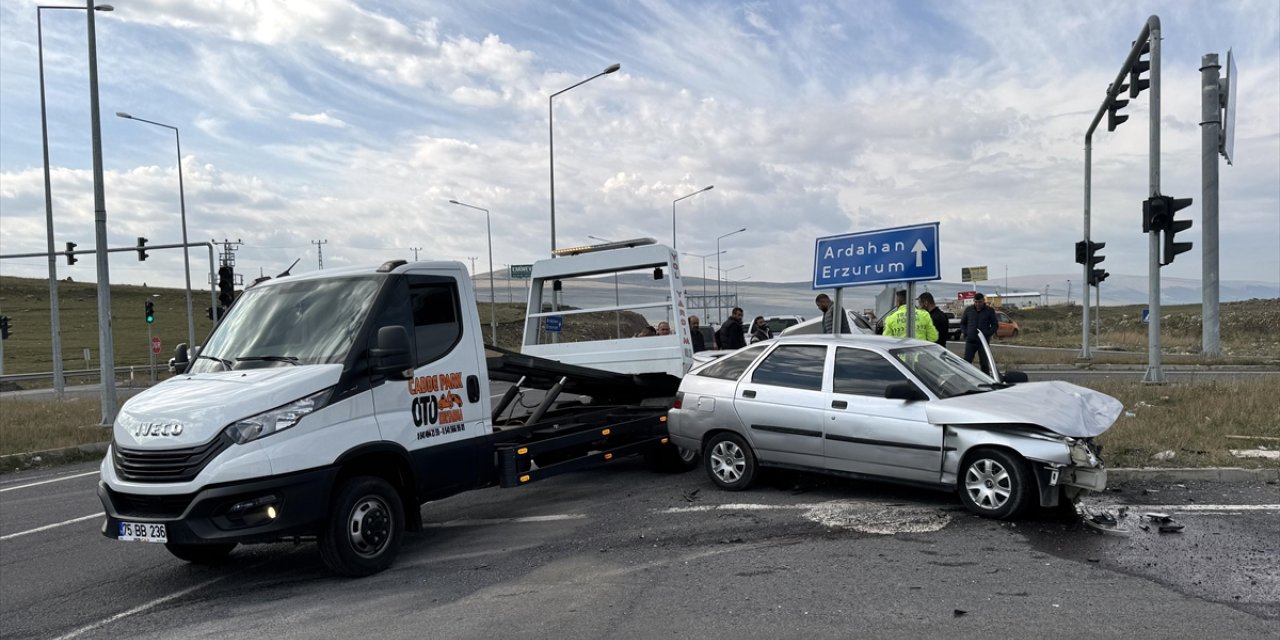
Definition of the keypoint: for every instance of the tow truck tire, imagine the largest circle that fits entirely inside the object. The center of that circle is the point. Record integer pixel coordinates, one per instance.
(995, 484)
(729, 461)
(200, 553)
(670, 458)
(365, 524)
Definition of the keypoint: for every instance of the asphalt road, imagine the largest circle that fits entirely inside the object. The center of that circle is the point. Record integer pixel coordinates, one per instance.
(625, 553)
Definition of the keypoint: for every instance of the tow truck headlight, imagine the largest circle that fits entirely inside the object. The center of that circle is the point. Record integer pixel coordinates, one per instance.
(278, 419)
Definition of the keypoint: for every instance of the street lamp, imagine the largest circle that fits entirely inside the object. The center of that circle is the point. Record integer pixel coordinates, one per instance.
(48, 205)
(493, 302)
(719, 307)
(673, 210)
(552, 145)
(182, 204)
(704, 257)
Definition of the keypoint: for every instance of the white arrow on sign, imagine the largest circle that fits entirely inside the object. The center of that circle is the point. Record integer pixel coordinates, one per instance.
(919, 250)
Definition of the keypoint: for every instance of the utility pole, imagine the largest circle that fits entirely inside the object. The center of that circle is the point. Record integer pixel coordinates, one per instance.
(227, 257)
(473, 266)
(415, 252)
(1215, 95)
(320, 252)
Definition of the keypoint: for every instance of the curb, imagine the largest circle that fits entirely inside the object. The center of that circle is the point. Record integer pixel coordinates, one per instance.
(1210, 474)
(66, 455)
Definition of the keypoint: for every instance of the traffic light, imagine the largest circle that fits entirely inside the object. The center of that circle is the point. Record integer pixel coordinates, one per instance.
(1092, 259)
(215, 312)
(1082, 252)
(1114, 119)
(71, 257)
(4, 327)
(142, 248)
(151, 312)
(1136, 82)
(1158, 215)
(226, 285)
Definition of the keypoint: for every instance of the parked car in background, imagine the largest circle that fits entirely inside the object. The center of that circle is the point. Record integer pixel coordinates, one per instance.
(953, 327)
(1008, 328)
(893, 409)
(777, 324)
(857, 324)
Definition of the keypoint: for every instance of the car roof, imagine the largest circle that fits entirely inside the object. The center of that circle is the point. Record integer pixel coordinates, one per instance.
(877, 342)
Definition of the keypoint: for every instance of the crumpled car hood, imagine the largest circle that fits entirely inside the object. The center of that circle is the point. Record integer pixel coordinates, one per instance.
(1060, 407)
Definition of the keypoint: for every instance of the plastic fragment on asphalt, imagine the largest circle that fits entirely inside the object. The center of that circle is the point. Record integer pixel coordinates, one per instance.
(1157, 517)
(1171, 528)
(958, 612)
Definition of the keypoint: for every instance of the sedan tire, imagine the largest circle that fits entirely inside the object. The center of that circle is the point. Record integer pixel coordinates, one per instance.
(995, 484)
(729, 461)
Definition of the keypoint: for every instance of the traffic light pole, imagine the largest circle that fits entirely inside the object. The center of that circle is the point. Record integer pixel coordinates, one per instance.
(151, 356)
(1154, 375)
(54, 313)
(1210, 134)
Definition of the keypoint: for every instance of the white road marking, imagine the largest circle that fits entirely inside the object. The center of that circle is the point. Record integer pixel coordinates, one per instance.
(139, 609)
(1208, 508)
(740, 507)
(865, 516)
(36, 484)
(51, 526)
(480, 522)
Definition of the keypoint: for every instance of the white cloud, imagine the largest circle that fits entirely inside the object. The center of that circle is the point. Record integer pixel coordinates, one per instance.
(319, 118)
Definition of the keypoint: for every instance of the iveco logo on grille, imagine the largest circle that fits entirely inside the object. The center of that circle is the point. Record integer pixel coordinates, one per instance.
(157, 429)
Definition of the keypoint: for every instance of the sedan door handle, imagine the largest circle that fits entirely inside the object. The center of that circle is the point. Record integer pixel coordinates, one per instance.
(839, 404)
(748, 393)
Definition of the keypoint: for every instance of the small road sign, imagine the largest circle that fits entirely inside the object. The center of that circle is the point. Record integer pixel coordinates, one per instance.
(553, 324)
(902, 254)
(521, 271)
(155, 345)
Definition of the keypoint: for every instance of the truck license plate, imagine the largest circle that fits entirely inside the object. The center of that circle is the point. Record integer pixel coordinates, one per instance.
(143, 532)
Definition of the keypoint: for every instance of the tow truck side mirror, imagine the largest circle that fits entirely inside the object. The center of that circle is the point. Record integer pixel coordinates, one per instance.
(1015, 377)
(181, 359)
(904, 391)
(391, 356)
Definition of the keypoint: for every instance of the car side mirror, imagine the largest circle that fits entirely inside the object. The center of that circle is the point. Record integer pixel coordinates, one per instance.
(391, 356)
(904, 391)
(1014, 377)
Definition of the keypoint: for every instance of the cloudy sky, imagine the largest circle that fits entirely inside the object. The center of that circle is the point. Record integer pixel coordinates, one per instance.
(355, 122)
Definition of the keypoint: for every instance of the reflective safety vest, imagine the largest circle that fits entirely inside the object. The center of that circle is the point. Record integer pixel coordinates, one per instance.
(895, 324)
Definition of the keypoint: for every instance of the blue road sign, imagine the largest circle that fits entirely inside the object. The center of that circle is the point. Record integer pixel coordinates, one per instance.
(553, 323)
(1146, 315)
(902, 254)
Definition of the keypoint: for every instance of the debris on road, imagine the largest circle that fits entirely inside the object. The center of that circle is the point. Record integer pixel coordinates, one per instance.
(956, 613)
(1172, 528)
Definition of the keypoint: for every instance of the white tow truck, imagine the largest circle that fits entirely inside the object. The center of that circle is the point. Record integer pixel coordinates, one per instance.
(331, 406)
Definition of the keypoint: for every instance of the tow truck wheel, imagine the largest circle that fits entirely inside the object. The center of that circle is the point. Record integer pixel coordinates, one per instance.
(363, 531)
(729, 462)
(200, 553)
(670, 458)
(995, 484)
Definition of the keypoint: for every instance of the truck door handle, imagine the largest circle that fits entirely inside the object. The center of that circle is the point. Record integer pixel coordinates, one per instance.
(473, 388)
(748, 393)
(839, 404)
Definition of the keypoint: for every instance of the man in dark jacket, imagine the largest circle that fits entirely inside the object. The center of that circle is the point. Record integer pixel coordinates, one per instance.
(730, 335)
(695, 335)
(978, 318)
(940, 320)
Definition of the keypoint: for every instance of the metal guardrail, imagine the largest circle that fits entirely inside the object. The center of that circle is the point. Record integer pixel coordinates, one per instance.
(130, 370)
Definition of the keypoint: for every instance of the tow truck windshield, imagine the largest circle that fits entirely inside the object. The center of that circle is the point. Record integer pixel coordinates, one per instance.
(298, 323)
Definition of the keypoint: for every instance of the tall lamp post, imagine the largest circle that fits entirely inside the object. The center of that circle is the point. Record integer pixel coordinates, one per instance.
(704, 257)
(551, 138)
(182, 205)
(719, 306)
(54, 329)
(673, 210)
(493, 302)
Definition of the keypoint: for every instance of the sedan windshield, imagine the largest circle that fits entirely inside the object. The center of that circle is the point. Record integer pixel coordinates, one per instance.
(943, 372)
(286, 325)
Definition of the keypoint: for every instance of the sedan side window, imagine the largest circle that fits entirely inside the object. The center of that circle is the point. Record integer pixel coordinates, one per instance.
(863, 373)
(731, 367)
(795, 366)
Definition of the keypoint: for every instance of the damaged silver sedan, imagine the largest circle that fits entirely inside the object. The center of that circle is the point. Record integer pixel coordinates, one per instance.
(893, 409)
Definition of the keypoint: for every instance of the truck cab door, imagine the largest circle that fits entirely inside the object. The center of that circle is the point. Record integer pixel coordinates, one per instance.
(436, 415)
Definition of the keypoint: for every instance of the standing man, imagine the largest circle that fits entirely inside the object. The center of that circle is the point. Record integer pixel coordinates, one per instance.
(731, 334)
(895, 323)
(978, 318)
(695, 335)
(941, 323)
(828, 314)
(664, 329)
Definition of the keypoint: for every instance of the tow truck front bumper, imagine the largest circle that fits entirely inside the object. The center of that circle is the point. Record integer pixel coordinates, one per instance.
(264, 510)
